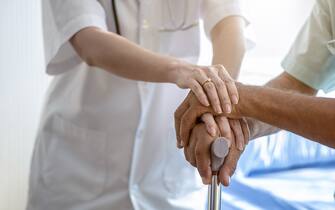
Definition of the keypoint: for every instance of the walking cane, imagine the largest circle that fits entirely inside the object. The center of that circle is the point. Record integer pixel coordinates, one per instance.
(219, 150)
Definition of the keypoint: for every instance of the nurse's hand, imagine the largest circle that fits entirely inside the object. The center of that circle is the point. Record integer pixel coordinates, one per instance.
(211, 85)
(187, 115)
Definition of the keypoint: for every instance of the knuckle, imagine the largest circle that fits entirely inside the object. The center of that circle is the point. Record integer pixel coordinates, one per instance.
(195, 87)
(198, 71)
(212, 69)
(210, 86)
(229, 81)
(220, 66)
(198, 153)
(220, 84)
(202, 171)
(207, 70)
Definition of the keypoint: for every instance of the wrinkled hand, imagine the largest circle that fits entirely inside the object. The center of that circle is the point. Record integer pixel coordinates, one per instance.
(197, 153)
(211, 85)
(187, 115)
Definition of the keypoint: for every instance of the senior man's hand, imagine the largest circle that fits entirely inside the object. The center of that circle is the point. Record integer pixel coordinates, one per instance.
(188, 114)
(197, 152)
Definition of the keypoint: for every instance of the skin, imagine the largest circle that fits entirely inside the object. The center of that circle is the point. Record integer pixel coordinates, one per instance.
(282, 103)
(229, 33)
(109, 51)
(197, 151)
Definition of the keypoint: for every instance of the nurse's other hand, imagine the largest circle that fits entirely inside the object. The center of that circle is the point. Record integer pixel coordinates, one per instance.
(187, 115)
(212, 85)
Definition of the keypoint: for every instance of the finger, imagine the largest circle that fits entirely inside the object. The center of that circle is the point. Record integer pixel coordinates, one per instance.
(191, 149)
(199, 92)
(238, 133)
(222, 91)
(246, 130)
(213, 96)
(186, 154)
(230, 83)
(209, 88)
(188, 121)
(229, 166)
(202, 155)
(210, 123)
(224, 127)
(177, 119)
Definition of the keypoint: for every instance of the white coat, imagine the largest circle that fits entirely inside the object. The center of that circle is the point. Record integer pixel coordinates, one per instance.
(106, 142)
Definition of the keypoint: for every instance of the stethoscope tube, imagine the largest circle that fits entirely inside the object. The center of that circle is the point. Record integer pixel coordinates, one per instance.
(116, 19)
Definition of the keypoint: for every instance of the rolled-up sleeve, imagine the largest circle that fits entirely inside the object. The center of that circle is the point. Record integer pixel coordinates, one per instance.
(310, 59)
(216, 10)
(61, 20)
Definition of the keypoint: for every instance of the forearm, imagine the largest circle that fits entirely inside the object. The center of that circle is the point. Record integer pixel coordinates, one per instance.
(283, 82)
(229, 44)
(119, 56)
(307, 116)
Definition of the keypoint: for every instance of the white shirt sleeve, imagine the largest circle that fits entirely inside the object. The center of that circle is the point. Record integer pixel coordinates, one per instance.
(61, 20)
(215, 10)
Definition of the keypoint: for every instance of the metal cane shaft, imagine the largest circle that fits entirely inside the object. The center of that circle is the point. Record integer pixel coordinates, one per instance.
(214, 194)
(219, 150)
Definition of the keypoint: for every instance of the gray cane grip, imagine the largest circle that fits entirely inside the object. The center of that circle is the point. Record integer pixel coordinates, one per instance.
(219, 150)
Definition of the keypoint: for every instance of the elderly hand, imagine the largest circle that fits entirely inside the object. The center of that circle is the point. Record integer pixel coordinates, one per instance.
(188, 113)
(211, 85)
(197, 153)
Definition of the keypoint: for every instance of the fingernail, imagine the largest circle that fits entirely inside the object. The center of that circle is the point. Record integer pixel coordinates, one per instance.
(228, 108)
(234, 100)
(206, 102)
(218, 110)
(203, 180)
(213, 131)
(228, 180)
(241, 147)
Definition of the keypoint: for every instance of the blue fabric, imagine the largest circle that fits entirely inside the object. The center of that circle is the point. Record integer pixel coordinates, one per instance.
(283, 171)
(283, 151)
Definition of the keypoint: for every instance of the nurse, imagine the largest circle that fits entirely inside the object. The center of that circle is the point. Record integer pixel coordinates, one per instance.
(106, 137)
(287, 101)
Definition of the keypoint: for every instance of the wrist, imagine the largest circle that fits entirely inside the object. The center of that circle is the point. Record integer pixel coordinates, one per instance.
(252, 128)
(239, 108)
(176, 70)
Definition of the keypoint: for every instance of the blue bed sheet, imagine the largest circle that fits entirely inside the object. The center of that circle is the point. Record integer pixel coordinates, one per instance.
(283, 171)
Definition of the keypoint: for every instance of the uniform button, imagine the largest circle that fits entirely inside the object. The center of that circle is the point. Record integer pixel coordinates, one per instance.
(145, 24)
